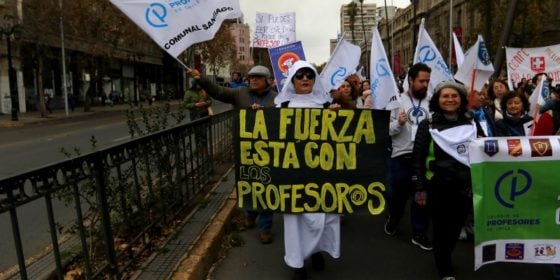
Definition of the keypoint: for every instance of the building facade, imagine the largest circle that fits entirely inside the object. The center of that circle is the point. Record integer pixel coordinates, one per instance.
(466, 21)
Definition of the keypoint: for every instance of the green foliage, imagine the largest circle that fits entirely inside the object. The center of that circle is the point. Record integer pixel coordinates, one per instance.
(139, 194)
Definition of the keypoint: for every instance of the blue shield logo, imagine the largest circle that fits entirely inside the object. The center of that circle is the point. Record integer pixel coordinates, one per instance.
(491, 147)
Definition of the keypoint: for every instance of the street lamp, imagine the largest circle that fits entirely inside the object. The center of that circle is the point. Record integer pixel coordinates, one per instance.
(7, 29)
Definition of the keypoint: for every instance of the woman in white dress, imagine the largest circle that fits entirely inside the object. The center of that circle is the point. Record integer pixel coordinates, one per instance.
(307, 235)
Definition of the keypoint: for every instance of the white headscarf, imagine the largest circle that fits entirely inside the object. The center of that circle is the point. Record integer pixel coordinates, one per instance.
(289, 92)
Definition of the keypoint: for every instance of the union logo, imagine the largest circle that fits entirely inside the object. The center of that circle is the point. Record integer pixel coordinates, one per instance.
(514, 147)
(540, 148)
(515, 251)
(538, 64)
(544, 251)
(491, 147)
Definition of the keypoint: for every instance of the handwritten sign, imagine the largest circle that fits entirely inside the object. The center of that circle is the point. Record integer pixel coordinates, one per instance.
(298, 160)
(273, 30)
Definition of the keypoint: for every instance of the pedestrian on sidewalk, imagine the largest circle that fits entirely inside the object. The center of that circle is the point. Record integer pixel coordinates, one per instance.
(403, 125)
(258, 95)
(443, 177)
(308, 234)
(48, 99)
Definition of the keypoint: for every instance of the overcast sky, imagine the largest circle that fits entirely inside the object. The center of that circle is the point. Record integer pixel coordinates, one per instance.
(317, 21)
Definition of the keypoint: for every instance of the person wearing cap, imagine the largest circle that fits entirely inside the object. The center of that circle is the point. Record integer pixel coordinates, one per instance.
(402, 128)
(306, 235)
(441, 169)
(259, 94)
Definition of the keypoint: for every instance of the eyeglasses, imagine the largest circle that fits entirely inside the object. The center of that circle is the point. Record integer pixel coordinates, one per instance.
(309, 74)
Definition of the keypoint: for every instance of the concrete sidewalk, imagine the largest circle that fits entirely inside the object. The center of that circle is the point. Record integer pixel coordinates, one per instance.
(59, 115)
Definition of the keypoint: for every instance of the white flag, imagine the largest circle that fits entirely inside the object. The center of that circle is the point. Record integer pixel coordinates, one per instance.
(384, 90)
(427, 53)
(176, 25)
(455, 141)
(459, 55)
(538, 98)
(477, 67)
(343, 62)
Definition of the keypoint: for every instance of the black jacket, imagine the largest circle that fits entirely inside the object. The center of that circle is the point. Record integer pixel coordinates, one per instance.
(444, 167)
(512, 127)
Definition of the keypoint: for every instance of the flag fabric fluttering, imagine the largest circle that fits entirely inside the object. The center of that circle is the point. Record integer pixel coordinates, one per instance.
(428, 53)
(384, 90)
(176, 25)
(342, 63)
(459, 54)
(477, 67)
(537, 99)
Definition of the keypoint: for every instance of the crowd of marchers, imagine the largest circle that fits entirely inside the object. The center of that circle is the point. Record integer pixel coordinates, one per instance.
(436, 184)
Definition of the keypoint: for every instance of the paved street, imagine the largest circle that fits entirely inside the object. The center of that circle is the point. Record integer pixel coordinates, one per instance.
(367, 253)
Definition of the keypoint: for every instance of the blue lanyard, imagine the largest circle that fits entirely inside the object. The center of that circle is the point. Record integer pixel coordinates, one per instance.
(415, 109)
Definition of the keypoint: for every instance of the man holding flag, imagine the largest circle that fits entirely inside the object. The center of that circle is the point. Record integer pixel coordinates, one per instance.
(404, 123)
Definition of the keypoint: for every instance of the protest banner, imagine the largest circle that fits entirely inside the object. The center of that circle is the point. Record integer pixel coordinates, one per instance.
(297, 160)
(274, 30)
(526, 62)
(282, 58)
(516, 199)
(176, 25)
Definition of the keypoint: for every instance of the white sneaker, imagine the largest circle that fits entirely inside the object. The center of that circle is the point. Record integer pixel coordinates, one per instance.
(448, 278)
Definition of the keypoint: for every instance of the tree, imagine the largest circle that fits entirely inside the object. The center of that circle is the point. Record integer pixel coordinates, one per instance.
(220, 51)
(352, 11)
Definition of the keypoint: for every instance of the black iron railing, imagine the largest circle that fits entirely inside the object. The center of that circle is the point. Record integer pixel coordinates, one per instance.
(123, 198)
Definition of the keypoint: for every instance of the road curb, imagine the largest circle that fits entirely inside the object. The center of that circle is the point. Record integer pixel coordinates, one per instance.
(11, 124)
(198, 261)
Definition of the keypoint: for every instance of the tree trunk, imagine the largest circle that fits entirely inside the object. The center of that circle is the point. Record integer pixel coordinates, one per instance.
(504, 38)
(40, 89)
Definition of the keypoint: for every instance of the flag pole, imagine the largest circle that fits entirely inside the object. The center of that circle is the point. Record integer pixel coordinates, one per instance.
(535, 114)
(180, 62)
(471, 91)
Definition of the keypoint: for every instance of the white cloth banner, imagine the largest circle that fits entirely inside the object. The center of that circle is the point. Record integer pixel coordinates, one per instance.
(428, 53)
(274, 30)
(384, 90)
(526, 62)
(477, 67)
(176, 25)
(342, 63)
(455, 141)
(459, 55)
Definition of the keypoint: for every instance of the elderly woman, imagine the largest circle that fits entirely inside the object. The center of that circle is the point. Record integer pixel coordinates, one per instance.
(440, 163)
(306, 235)
(516, 121)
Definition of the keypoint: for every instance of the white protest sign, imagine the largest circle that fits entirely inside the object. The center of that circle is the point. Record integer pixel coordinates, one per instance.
(273, 30)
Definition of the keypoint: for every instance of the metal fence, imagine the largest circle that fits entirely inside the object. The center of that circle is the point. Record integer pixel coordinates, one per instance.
(123, 199)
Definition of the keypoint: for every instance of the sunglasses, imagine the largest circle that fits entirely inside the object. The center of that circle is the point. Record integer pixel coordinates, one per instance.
(309, 74)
